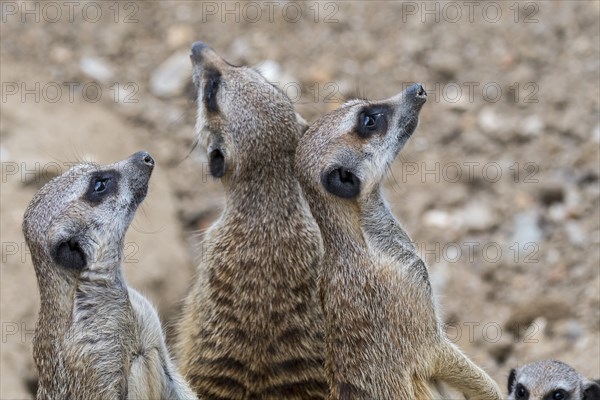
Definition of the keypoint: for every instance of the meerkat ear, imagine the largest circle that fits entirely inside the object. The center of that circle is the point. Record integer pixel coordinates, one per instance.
(511, 380)
(341, 182)
(591, 391)
(302, 124)
(69, 254)
(216, 163)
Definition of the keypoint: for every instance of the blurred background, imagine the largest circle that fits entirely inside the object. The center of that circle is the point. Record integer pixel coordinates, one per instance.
(499, 186)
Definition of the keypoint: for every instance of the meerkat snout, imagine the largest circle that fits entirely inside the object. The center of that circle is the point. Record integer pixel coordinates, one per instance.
(421, 93)
(198, 50)
(244, 122)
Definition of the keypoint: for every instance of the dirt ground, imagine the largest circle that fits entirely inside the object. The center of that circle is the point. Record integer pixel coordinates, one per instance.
(499, 186)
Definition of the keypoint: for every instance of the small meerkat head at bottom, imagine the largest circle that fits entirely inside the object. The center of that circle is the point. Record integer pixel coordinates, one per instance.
(550, 380)
(347, 152)
(244, 122)
(78, 220)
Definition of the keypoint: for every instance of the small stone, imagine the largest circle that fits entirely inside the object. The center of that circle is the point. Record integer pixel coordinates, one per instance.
(477, 216)
(557, 212)
(96, 69)
(533, 125)
(489, 121)
(437, 218)
(526, 228)
(170, 78)
(575, 234)
(596, 134)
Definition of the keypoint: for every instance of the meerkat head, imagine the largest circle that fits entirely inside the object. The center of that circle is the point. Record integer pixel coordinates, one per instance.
(346, 153)
(79, 219)
(244, 122)
(550, 380)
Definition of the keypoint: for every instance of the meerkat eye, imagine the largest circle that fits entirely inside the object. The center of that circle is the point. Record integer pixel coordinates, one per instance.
(521, 392)
(100, 185)
(371, 121)
(559, 395)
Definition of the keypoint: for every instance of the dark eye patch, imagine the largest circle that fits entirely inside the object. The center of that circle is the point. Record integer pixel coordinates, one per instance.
(372, 120)
(211, 88)
(101, 185)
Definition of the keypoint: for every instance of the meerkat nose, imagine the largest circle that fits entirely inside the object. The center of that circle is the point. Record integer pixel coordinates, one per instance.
(148, 160)
(143, 157)
(197, 49)
(415, 94)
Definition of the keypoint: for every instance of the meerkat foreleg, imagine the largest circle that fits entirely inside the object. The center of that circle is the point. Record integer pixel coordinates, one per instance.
(461, 373)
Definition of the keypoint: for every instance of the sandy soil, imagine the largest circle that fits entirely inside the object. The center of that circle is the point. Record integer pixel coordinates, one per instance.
(499, 187)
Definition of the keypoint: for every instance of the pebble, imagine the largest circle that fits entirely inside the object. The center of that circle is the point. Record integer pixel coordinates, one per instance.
(437, 219)
(170, 78)
(477, 216)
(557, 212)
(526, 228)
(533, 125)
(489, 121)
(96, 69)
(575, 234)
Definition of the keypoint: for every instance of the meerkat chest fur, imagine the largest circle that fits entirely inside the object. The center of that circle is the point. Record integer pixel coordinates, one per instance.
(256, 297)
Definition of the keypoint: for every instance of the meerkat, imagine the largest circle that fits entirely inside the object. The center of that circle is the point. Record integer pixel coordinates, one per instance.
(383, 334)
(96, 338)
(550, 380)
(252, 324)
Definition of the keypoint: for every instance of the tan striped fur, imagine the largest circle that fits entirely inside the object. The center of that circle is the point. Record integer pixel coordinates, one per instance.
(252, 326)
